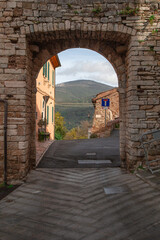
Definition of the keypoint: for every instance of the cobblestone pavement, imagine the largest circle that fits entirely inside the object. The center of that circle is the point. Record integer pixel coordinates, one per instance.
(70, 204)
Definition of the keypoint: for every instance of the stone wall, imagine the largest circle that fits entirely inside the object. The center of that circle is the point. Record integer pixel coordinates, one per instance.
(33, 31)
(99, 117)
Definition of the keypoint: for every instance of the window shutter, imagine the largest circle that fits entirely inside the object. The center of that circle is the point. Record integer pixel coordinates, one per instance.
(47, 114)
(45, 70)
(52, 114)
(53, 78)
(48, 70)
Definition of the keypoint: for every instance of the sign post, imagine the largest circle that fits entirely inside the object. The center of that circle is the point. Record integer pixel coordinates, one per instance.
(105, 105)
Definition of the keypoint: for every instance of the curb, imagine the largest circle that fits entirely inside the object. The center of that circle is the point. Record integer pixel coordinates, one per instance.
(40, 158)
(154, 185)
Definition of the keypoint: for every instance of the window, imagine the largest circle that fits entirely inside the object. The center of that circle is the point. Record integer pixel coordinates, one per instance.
(52, 114)
(47, 114)
(53, 78)
(42, 116)
(43, 104)
(45, 70)
(48, 70)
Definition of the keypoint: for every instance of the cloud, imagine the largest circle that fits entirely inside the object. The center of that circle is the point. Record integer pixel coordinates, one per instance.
(85, 64)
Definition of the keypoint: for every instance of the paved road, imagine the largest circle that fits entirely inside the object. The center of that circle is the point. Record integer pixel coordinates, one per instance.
(81, 203)
(63, 154)
(70, 204)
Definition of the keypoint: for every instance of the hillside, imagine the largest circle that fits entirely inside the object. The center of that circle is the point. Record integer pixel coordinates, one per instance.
(74, 100)
(80, 91)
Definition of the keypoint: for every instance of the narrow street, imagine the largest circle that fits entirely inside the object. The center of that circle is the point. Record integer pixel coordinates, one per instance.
(58, 202)
(98, 152)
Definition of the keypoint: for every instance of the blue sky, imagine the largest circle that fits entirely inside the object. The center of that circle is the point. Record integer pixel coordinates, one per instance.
(80, 63)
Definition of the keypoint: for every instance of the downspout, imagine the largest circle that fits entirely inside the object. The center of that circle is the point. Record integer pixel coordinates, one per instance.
(5, 138)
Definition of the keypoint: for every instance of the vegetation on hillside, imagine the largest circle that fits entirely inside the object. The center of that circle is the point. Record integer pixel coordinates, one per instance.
(61, 132)
(74, 100)
(80, 132)
(60, 129)
(74, 115)
(79, 91)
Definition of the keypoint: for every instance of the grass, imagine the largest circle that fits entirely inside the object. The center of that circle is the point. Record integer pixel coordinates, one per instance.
(97, 10)
(2, 185)
(129, 11)
(140, 167)
(151, 19)
(69, 6)
(155, 31)
(151, 48)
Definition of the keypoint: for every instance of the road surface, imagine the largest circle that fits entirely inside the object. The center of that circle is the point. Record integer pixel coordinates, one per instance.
(98, 152)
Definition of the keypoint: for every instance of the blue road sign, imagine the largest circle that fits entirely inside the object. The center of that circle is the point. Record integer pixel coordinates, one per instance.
(105, 102)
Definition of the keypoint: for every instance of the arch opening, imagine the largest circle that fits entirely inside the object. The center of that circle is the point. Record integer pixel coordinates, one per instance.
(112, 51)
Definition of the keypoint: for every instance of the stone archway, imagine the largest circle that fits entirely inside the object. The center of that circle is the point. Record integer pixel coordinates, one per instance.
(34, 31)
(114, 51)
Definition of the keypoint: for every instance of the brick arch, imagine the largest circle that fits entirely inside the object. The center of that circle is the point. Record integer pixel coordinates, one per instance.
(29, 28)
(109, 49)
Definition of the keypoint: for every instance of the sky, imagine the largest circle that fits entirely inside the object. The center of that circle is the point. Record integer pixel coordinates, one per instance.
(80, 63)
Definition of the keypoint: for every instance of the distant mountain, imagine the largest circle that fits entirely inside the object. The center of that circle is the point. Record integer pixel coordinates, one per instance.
(74, 100)
(79, 91)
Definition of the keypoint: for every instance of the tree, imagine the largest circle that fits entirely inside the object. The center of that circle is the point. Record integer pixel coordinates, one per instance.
(80, 132)
(60, 129)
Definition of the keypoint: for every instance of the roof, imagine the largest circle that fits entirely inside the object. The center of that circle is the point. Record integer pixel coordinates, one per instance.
(55, 61)
(104, 94)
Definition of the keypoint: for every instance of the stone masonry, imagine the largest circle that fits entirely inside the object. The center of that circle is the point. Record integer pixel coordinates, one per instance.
(99, 112)
(126, 32)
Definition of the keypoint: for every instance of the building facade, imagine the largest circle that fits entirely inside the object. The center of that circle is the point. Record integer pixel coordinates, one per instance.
(45, 96)
(101, 118)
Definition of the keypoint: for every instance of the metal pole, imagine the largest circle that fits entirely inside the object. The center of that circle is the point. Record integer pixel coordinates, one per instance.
(5, 142)
(45, 114)
(45, 118)
(5, 139)
(105, 117)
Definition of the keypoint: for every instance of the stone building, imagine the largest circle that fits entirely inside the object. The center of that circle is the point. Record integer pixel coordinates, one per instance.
(45, 96)
(126, 32)
(101, 119)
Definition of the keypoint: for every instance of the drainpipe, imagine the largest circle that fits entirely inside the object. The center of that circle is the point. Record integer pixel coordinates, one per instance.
(5, 138)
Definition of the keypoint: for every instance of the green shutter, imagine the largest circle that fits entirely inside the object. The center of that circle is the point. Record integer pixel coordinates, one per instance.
(45, 70)
(47, 114)
(48, 70)
(52, 114)
(52, 78)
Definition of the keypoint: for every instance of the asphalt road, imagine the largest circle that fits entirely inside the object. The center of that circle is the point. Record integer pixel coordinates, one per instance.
(98, 152)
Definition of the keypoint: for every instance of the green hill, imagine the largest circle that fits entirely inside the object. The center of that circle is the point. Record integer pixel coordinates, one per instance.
(74, 100)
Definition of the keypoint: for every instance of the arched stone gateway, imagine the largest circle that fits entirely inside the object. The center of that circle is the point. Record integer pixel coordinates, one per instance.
(123, 31)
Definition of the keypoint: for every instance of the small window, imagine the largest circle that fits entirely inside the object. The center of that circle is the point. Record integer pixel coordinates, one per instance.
(42, 116)
(43, 104)
(47, 114)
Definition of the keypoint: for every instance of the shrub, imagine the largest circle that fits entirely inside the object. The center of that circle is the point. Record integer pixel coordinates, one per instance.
(94, 135)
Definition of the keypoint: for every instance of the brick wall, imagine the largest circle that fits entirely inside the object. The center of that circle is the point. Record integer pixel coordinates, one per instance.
(33, 31)
(99, 122)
